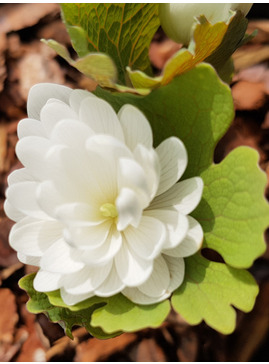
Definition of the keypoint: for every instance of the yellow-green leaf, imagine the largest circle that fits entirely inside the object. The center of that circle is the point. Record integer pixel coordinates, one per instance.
(217, 41)
(210, 290)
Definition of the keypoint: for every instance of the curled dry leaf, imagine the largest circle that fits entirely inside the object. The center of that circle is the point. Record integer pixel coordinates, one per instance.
(34, 347)
(249, 95)
(160, 52)
(38, 66)
(97, 350)
(148, 350)
(3, 47)
(254, 54)
(8, 256)
(9, 316)
(13, 18)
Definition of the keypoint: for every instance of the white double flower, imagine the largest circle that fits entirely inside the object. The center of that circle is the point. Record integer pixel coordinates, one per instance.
(97, 208)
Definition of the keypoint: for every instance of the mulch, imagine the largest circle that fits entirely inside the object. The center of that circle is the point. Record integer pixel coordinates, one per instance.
(25, 61)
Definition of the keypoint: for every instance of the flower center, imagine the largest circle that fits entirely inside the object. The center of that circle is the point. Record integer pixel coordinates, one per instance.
(109, 210)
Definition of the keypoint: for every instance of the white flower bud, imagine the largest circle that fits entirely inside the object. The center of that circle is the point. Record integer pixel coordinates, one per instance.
(177, 20)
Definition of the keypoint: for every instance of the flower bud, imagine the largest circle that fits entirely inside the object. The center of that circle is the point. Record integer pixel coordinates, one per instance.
(177, 20)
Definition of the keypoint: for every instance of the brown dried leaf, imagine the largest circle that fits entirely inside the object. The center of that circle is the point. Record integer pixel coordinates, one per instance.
(160, 52)
(248, 56)
(3, 47)
(38, 66)
(252, 329)
(188, 348)
(6, 273)
(35, 346)
(55, 30)
(65, 344)
(15, 17)
(243, 131)
(4, 166)
(7, 255)
(149, 351)
(100, 350)
(263, 30)
(249, 95)
(8, 317)
(256, 73)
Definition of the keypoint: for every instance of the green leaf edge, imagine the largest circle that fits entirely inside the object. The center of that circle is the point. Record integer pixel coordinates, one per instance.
(39, 303)
(199, 309)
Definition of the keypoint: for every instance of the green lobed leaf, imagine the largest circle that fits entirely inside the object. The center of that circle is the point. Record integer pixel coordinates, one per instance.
(234, 213)
(123, 31)
(122, 314)
(119, 314)
(39, 303)
(209, 291)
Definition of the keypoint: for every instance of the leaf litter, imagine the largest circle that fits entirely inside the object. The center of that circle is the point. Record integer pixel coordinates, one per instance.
(28, 337)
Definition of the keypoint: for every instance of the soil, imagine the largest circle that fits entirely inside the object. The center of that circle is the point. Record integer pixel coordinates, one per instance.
(25, 61)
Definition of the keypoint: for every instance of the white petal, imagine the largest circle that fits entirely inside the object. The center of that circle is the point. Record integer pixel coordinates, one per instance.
(61, 258)
(129, 208)
(81, 174)
(71, 299)
(136, 296)
(34, 237)
(11, 212)
(48, 198)
(88, 176)
(147, 239)
(53, 112)
(19, 175)
(27, 259)
(149, 161)
(177, 225)
(184, 196)
(79, 214)
(77, 96)
(31, 152)
(191, 243)
(65, 166)
(103, 178)
(173, 161)
(30, 127)
(46, 281)
(86, 280)
(71, 133)
(159, 280)
(106, 151)
(111, 286)
(105, 252)
(100, 117)
(23, 197)
(108, 147)
(88, 237)
(132, 175)
(132, 269)
(176, 268)
(39, 95)
(135, 126)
